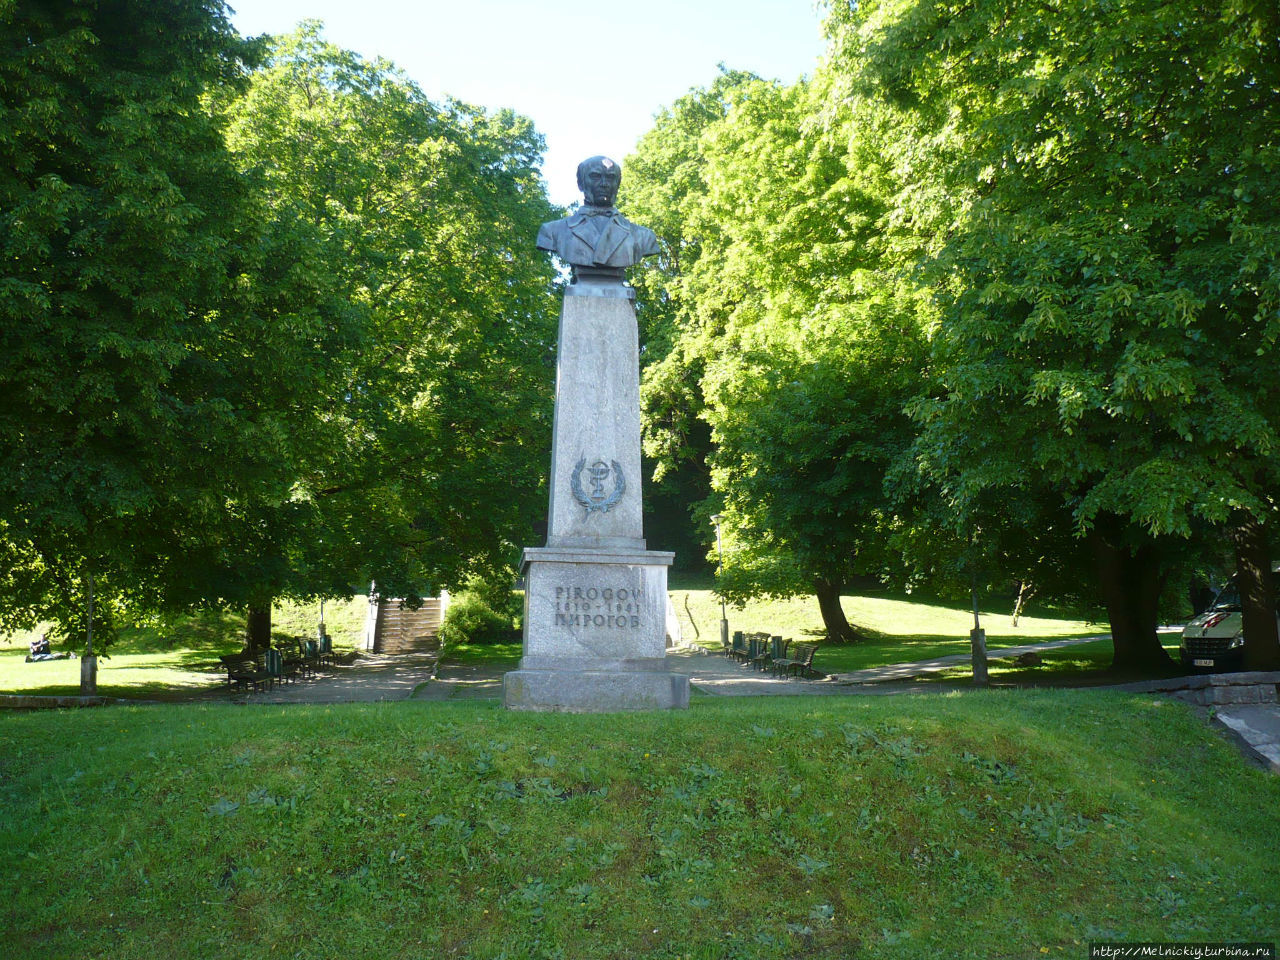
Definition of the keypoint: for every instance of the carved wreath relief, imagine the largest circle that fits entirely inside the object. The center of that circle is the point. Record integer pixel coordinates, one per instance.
(597, 500)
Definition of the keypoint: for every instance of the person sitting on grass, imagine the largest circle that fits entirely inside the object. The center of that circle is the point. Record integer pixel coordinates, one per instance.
(40, 650)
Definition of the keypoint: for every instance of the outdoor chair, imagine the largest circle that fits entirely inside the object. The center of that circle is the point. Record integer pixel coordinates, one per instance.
(312, 654)
(280, 668)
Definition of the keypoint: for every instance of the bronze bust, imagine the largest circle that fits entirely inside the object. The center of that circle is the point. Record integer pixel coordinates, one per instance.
(597, 241)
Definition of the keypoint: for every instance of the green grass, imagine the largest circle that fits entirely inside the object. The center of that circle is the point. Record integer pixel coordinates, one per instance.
(899, 629)
(174, 657)
(977, 825)
(127, 675)
(496, 655)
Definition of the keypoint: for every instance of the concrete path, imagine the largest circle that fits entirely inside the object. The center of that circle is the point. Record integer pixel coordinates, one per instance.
(418, 676)
(371, 678)
(1258, 725)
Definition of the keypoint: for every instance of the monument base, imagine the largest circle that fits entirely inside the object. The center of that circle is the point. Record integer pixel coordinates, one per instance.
(595, 633)
(593, 691)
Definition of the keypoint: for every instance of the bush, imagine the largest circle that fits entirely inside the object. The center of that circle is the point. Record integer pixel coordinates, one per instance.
(472, 618)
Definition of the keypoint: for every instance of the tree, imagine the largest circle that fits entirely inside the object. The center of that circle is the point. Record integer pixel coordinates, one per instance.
(119, 238)
(277, 371)
(664, 188)
(412, 225)
(1100, 184)
(803, 348)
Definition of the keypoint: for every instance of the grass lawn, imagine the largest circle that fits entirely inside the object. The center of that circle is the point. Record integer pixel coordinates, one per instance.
(899, 629)
(496, 655)
(976, 825)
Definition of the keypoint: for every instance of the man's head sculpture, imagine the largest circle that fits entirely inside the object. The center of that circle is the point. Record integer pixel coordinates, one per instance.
(596, 240)
(599, 179)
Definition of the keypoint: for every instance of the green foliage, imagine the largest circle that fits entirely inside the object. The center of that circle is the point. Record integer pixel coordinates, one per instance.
(665, 188)
(968, 826)
(791, 340)
(280, 370)
(408, 215)
(120, 237)
(1109, 214)
(1098, 183)
(481, 617)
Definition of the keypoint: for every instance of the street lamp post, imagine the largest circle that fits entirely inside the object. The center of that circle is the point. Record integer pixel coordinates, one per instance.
(724, 622)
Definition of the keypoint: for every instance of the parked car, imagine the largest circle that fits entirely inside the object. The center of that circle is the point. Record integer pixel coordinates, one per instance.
(1214, 640)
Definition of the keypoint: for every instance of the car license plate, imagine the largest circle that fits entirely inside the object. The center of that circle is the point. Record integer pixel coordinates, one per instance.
(1203, 663)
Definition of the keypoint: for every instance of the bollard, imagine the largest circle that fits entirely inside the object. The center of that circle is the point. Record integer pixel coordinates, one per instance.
(978, 640)
(88, 676)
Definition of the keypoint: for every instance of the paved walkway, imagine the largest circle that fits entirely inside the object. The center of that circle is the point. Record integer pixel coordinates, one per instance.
(1258, 725)
(371, 678)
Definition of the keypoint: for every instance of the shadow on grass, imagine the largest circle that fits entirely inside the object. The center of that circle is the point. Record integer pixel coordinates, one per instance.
(1086, 665)
(131, 691)
(880, 650)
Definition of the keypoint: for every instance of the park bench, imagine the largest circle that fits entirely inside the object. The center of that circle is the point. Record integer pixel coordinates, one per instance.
(799, 659)
(247, 670)
(295, 659)
(326, 650)
(311, 653)
(757, 648)
(233, 662)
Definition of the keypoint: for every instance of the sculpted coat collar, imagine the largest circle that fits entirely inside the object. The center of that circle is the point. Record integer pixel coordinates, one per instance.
(603, 231)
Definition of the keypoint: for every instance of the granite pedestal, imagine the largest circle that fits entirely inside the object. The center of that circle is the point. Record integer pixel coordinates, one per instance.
(595, 598)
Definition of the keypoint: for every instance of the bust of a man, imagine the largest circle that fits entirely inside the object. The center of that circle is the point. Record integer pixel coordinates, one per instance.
(597, 241)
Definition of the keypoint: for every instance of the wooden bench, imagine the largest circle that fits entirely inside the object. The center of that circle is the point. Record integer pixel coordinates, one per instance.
(247, 670)
(799, 659)
(312, 655)
(295, 659)
(326, 650)
(748, 646)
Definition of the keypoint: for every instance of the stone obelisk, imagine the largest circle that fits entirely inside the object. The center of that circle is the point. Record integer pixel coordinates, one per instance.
(595, 598)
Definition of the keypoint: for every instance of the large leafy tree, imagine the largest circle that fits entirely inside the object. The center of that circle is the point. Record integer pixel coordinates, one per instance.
(799, 348)
(665, 187)
(282, 370)
(1103, 182)
(417, 458)
(120, 238)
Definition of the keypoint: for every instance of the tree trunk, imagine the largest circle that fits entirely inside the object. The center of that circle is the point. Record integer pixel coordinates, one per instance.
(1024, 593)
(258, 635)
(1257, 597)
(1130, 581)
(89, 665)
(838, 628)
